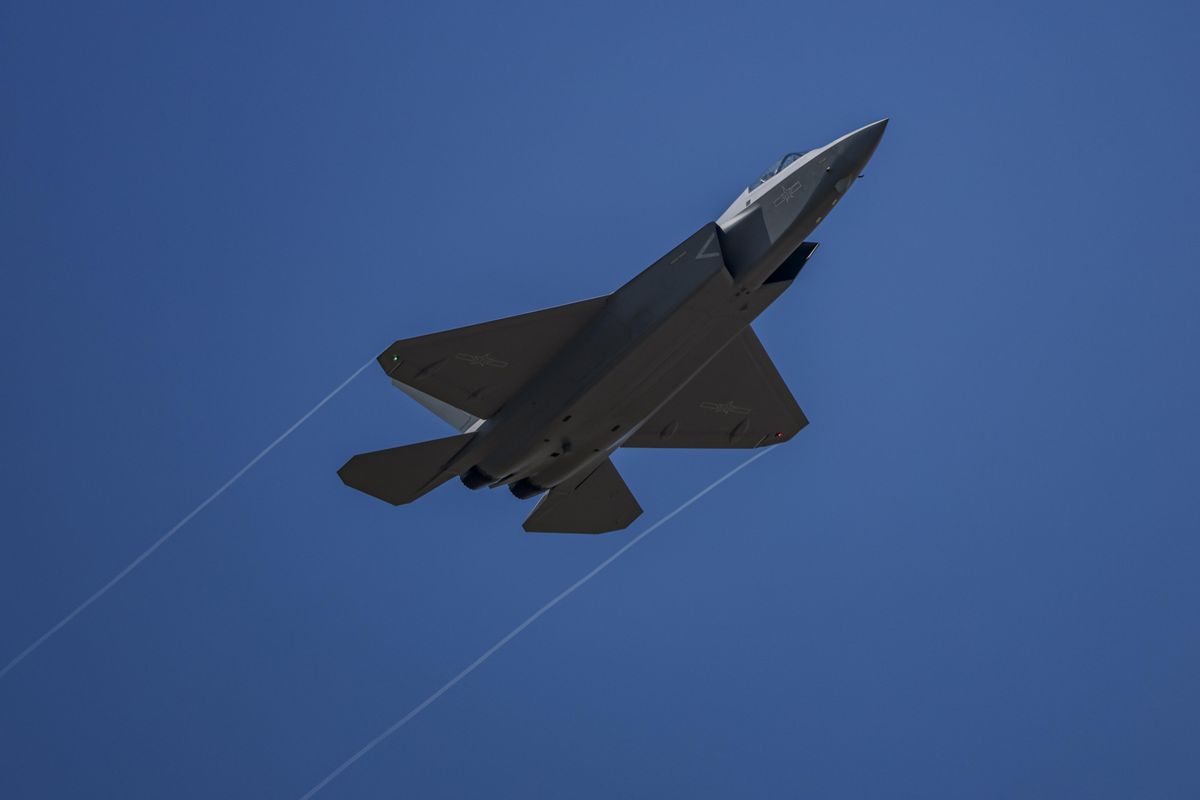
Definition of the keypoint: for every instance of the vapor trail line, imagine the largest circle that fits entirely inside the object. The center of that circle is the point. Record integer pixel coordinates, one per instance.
(508, 637)
(163, 539)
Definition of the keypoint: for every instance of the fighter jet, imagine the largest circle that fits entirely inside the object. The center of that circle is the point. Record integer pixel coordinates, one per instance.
(542, 400)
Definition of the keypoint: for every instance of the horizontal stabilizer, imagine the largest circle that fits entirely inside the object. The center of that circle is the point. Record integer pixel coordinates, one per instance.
(599, 503)
(402, 474)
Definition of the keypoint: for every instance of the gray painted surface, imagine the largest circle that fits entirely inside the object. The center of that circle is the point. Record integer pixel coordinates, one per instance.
(668, 360)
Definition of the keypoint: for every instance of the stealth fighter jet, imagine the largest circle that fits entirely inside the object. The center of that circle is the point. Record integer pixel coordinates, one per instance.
(541, 400)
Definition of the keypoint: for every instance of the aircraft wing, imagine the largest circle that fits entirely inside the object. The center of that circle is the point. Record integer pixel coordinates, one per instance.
(737, 400)
(478, 368)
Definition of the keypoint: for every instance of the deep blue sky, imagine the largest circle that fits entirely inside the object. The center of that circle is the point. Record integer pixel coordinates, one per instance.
(974, 574)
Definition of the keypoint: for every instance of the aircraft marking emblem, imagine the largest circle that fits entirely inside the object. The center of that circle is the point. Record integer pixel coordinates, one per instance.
(786, 193)
(724, 408)
(712, 237)
(482, 360)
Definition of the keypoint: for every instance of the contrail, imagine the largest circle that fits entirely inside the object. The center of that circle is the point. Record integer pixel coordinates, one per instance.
(163, 539)
(491, 651)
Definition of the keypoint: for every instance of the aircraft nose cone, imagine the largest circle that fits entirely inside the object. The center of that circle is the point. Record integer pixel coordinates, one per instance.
(860, 145)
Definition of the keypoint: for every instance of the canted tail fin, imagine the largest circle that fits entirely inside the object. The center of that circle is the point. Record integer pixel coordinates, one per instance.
(402, 474)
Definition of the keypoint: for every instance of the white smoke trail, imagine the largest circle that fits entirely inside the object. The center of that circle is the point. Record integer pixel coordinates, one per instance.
(508, 637)
(163, 539)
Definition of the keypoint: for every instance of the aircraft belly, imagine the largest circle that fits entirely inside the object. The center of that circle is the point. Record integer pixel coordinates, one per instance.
(634, 388)
(679, 349)
(566, 413)
(636, 354)
(631, 393)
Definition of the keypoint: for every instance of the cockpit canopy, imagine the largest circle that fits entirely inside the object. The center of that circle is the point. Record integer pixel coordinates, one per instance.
(775, 169)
